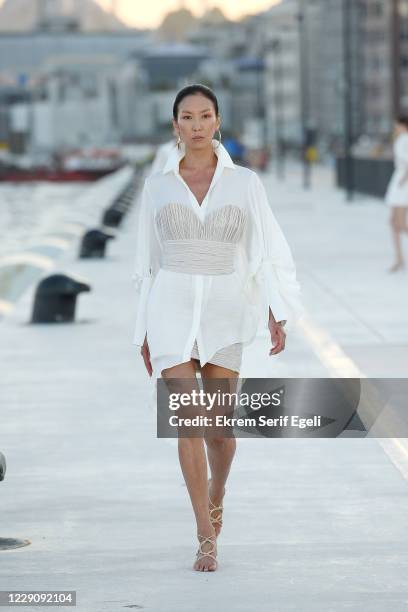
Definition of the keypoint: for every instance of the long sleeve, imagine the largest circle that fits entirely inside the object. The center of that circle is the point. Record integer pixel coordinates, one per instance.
(270, 258)
(146, 262)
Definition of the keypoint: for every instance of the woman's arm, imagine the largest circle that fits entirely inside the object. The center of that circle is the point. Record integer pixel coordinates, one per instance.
(274, 264)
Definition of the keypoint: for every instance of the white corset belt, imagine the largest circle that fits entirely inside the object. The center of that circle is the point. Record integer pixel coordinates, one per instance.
(198, 256)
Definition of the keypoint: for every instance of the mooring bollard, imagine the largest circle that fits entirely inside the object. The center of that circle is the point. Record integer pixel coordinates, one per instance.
(112, 217)
(93, 243)
(7, 543)
(55, 298)
(2, 466)
(121, 206)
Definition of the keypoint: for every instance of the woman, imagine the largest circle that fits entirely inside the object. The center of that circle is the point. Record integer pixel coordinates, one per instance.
(397, 192)
(208, 244)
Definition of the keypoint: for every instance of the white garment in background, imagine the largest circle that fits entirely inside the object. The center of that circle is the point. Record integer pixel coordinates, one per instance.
(215, 307)
(396, 195)
(160, 159)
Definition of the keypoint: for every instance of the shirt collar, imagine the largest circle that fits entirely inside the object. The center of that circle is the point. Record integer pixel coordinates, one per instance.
(174, 158)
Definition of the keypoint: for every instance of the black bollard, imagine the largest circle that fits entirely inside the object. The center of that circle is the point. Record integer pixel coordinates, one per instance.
(120, 205)
(125, 201)
(2, 466)
(112, 217)
(93, 243)
(8, 543)
(55, 298)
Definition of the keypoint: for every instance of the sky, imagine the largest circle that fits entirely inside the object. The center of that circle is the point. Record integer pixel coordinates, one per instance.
(149, 13)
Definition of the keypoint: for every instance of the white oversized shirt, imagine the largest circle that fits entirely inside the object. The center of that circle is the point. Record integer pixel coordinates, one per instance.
(200, 270)
(397, 194)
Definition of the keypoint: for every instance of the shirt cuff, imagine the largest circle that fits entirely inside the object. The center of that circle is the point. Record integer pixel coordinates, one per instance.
(273, 297)
(141, 317)
(283, 294)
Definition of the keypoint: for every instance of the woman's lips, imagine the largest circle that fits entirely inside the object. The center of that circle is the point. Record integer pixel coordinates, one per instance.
(198, 137)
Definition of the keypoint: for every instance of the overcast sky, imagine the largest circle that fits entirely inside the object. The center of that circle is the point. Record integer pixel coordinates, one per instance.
(149, 13)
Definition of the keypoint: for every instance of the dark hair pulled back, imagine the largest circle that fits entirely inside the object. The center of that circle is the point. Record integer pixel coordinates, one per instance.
(195, 88)
(403, 120)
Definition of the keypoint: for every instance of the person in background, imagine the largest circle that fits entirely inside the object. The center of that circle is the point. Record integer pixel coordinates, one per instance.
(396, 196)
(235, 148)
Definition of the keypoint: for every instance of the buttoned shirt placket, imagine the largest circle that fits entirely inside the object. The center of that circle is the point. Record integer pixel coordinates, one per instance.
(199, 279)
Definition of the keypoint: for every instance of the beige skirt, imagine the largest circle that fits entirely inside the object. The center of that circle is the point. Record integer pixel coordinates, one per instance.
(227, 357)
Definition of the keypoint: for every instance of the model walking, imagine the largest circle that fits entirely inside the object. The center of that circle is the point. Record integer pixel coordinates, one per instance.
(397, 192)
(208, 247)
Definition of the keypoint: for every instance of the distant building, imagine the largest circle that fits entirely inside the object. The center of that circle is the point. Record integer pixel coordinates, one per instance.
(276, 40)
(159, 71)
(378, 40)
(74, 104)
(57, 15)
(402, 87)
(167, 64)
(65, 75)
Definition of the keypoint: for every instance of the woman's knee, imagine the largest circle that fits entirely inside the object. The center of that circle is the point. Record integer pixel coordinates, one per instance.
(219, 442)
(182, 370)
(395, 224)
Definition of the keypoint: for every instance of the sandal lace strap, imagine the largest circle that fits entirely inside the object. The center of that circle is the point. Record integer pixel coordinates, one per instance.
(218, 518)
(209, 553)
(215, 520)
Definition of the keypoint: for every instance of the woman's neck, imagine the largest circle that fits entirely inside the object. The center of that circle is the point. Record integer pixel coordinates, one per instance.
(198, 160)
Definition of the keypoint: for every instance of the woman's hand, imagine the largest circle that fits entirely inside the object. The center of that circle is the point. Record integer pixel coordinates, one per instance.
(278, 337)
(144, 351)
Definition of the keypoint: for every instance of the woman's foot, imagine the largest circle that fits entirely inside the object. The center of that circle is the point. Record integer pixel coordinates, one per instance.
(399, 265)
(216, 507)
(206, 560)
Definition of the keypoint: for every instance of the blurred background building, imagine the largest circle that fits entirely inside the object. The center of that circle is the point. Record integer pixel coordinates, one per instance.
(301, 72)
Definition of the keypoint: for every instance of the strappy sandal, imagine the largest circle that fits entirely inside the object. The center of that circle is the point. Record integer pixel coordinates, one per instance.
(210, 553)
(216, 519)
(397, 266)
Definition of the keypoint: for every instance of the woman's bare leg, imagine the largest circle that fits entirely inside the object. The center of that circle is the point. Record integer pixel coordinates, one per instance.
(193, 461)
(398, 225)
(404, 224)
(220, 450)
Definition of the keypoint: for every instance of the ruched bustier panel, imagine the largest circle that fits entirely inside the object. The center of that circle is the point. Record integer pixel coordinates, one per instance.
(196, 247)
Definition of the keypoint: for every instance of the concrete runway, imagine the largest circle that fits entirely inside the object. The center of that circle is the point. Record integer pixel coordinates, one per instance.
(309, 524)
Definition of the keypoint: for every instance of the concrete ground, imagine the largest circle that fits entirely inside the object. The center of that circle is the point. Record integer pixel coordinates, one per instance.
(309, 525)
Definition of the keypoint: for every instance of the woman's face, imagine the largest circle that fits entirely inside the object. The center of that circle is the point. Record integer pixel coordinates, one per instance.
(197, 122)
